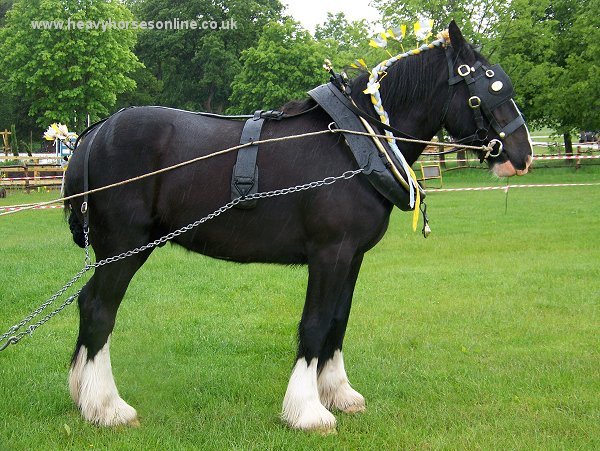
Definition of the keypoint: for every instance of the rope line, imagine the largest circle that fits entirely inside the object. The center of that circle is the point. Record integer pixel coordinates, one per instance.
(24, 207)
(432, 190)
(507, 187)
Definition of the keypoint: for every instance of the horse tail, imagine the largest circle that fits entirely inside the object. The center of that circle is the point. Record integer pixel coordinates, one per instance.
(75, 225)
(74, 182)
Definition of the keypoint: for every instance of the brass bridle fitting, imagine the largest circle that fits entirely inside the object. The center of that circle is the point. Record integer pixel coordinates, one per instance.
(490, 151)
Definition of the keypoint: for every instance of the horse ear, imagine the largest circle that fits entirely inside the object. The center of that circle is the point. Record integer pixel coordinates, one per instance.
(456, 38)
(458, 42)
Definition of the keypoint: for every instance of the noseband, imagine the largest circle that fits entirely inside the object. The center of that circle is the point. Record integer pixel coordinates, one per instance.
(489, 88)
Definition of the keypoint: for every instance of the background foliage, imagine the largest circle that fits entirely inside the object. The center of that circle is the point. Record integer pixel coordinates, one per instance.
(64, 75)
(549, 48)
(284, 52)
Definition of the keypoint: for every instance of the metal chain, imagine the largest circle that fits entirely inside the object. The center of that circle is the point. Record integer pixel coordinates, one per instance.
(14, 339)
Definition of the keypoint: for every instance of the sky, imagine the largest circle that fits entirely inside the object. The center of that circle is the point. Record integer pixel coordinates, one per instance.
(312, 12)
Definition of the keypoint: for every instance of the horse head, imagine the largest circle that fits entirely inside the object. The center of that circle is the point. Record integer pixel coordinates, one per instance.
(449, 84)
(480, 108)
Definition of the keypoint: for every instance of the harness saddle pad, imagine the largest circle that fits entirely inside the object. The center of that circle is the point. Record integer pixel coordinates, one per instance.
(363, 148)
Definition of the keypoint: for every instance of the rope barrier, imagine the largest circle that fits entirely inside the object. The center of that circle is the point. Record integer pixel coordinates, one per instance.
(430, 190)
(535, 158)
(41, 177)
(507, 187)
(42, 207)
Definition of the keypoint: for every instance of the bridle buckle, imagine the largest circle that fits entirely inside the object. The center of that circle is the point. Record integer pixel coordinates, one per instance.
(474, 102)
(464, 70)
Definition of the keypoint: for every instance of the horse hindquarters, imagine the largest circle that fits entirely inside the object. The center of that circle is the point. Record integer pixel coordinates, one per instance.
(91, 381)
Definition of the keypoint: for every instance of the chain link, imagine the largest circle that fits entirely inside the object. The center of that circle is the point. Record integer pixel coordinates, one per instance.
(10, 336)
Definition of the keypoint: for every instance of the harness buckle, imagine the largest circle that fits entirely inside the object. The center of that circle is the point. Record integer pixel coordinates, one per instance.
(474, 102)
(270, 114)
(464, 70)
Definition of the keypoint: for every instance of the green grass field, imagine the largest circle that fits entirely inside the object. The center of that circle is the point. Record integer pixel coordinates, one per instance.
(483, 336)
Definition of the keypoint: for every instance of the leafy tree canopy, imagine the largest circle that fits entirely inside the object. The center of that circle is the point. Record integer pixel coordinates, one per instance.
(64, 75)
(550, 49)
(286, 62)
(197, 66)
(5, 5)
(346, 41)
(479, 19)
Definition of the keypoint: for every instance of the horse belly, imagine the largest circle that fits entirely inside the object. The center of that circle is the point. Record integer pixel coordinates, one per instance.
(246, 236)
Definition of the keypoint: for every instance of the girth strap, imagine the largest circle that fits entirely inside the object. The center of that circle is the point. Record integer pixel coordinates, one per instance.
(244, 180)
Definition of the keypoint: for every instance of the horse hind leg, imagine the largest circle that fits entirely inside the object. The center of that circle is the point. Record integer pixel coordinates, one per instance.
(91, 382)
(302, 407)
(335, 391)
(334, 387)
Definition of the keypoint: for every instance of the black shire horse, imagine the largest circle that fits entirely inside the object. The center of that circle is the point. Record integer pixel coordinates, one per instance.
(329, 228)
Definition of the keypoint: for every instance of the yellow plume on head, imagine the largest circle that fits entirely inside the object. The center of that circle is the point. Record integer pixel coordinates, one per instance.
(444, 35)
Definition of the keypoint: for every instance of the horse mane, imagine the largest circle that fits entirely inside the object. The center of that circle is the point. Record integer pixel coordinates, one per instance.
(409, 81)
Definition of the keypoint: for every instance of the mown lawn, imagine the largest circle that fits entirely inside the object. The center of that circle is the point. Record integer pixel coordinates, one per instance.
(483, 336)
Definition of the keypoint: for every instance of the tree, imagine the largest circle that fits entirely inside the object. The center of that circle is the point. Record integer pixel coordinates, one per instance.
(345, 41)
(5, 5)
(196, 66)
(480, 20)
(550, 50)
(347, 36)
(147, 90)
(284, 65)
(65, 74)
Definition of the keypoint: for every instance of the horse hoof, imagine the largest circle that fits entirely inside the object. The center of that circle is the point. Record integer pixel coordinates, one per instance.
(135, 423)
(116, 413)
(326, 431)
(313, 418)
(354, 409)
(343, 398)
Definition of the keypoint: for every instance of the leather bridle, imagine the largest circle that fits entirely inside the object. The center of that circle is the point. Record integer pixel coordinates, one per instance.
(489, 88)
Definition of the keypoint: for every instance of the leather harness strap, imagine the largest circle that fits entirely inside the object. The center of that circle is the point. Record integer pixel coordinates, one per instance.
(86, 179)
(244, 180)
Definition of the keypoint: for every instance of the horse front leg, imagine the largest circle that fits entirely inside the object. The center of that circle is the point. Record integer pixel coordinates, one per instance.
(328, 270)
(335, 391)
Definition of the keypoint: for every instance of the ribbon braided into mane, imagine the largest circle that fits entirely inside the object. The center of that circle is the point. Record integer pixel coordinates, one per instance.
(373, 89)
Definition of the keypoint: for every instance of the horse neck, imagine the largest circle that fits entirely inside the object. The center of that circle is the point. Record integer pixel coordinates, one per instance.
(418, 116)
